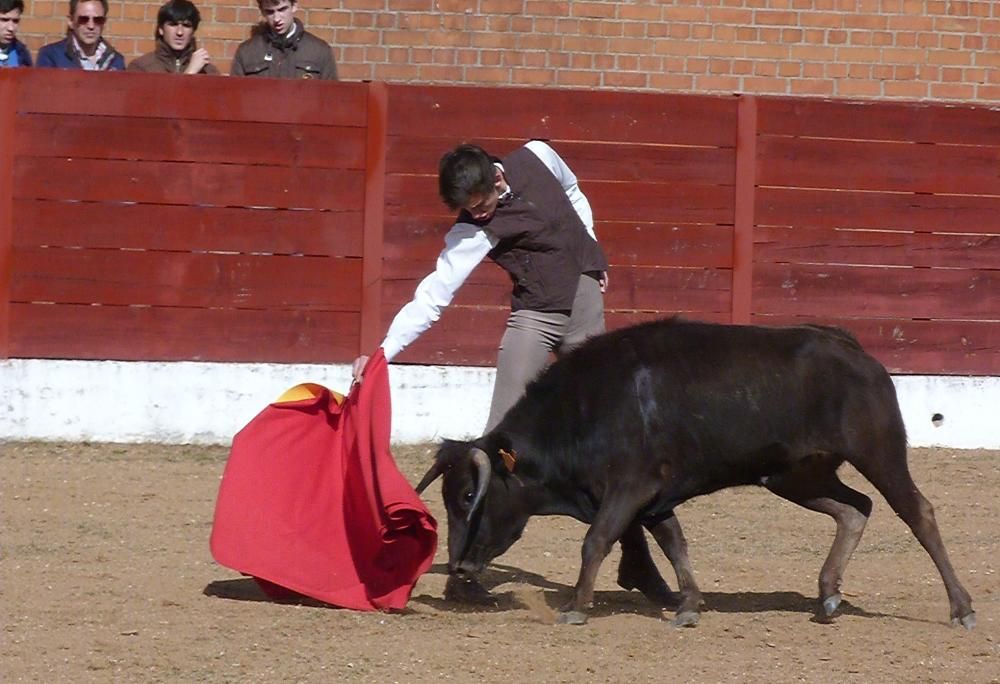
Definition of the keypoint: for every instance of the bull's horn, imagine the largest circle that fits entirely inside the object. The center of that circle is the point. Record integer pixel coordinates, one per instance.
(483, 473)
(432, 474)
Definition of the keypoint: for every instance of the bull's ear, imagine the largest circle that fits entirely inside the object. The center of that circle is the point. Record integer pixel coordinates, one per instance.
(509, 459)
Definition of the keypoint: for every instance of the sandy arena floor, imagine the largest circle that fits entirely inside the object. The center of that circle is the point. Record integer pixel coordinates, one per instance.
(105, 568)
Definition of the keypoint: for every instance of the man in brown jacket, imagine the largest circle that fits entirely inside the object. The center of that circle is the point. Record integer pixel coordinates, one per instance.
(176, 51)
(280, 47)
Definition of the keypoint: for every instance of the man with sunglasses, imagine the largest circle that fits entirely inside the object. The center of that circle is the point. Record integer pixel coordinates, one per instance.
(83, 47)
(527, 214)
(280, 47)
(176, 50)
(13, 53)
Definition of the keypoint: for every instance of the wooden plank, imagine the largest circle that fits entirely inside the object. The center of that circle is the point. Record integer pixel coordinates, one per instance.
(158, 139)
(620, 319)
(909, 346)
(465, 335)
(632, 243)
(67, 91)
(8, 101)
(876, 292)
(892, 211)
(886, 166)
(872, 120)
(602, 160)
(130, 333)
(371, 277)
(666, 244)
(670, 290)
(891, 248)
(188, 183)
(488, 285)
(611, 201)
(743, 212)
(561, 114)
(187, 228)
(124, 277)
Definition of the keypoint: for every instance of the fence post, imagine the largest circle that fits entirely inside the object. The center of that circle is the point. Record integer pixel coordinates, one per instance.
(371, 268)
(743, 221)
(8, 109)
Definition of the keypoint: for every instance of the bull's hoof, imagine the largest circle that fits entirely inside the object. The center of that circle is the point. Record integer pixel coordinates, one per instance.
(968, 621)
(571, 617)
(687, 618)
(830, 604)
(466, 589)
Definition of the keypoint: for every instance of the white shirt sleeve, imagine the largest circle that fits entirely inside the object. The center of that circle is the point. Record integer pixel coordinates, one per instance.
(465, 246)
(567, 179)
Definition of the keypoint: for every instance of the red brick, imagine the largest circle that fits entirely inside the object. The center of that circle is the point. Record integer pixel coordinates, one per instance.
(717, 84)
(578, 79)
(910, 90)
(535, 77)
(852, 88)
(624, 79)
(671, 82)
(815, 87)
(952, 91)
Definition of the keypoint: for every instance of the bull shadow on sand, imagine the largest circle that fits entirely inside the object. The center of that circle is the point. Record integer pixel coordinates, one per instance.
(497, 580)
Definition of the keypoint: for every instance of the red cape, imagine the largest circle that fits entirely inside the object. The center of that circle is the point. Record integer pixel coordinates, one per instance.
(311, 500)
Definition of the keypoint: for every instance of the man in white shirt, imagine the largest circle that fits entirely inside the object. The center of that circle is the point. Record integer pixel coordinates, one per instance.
(528, 214)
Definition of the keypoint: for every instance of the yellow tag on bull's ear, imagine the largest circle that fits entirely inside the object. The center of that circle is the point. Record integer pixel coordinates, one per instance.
(509, 458)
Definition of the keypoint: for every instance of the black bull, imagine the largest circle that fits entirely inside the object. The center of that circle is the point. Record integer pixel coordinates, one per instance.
(639, 420)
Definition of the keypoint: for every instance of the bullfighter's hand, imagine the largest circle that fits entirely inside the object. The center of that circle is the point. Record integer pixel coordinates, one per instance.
(358, 367)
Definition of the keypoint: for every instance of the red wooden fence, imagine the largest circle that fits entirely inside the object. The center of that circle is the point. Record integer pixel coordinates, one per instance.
(160, 217)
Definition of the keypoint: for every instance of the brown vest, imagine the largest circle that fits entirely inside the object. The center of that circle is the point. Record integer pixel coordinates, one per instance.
(543, 245)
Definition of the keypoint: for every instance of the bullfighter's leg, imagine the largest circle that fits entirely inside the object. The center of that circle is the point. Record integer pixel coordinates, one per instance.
(638, 571)
(891, 477)
(815, 485)
(613, 518)
(670, 537)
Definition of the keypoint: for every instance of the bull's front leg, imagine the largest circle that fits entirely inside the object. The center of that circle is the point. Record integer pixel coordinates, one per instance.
(609, 525)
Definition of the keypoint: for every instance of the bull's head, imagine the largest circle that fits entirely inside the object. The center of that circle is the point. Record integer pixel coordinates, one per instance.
(486, 515)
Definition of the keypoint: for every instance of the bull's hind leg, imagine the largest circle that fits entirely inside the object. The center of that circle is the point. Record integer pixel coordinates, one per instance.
(638, 571)
(670, 537)
(894, 482)
(815, 486)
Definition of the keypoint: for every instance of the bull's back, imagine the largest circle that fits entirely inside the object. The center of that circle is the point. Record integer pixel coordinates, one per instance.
(724, 401)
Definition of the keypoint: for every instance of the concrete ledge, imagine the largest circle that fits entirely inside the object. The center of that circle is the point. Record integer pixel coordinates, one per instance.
(206, 403)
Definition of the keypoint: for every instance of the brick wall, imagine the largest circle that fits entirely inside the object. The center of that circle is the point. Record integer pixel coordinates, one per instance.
(886, 49)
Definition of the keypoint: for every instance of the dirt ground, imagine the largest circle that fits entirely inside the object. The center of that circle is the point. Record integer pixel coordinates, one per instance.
(106, 575)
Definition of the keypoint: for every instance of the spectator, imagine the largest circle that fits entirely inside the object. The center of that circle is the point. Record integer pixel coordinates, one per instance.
(280, 47)
(13, 53)
(528, 214)
(83, 47)
(176, 51)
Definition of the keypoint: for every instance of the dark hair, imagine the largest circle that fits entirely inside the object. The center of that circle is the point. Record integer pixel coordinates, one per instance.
(465, 171)
(74, 3)
(270, 3)
(177, 11)
(11, 5)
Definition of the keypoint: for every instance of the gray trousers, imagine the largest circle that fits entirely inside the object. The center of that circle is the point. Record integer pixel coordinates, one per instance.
(531, 336)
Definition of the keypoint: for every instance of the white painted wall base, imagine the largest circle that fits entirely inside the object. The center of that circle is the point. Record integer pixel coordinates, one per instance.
(206, 403)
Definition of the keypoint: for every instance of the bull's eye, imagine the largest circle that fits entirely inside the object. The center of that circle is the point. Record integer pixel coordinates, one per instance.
(468, 497)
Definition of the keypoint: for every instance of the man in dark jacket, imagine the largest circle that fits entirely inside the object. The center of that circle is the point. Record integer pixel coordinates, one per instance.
(176, 50)
(280, 47)
(13, 53)
(84, 46)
